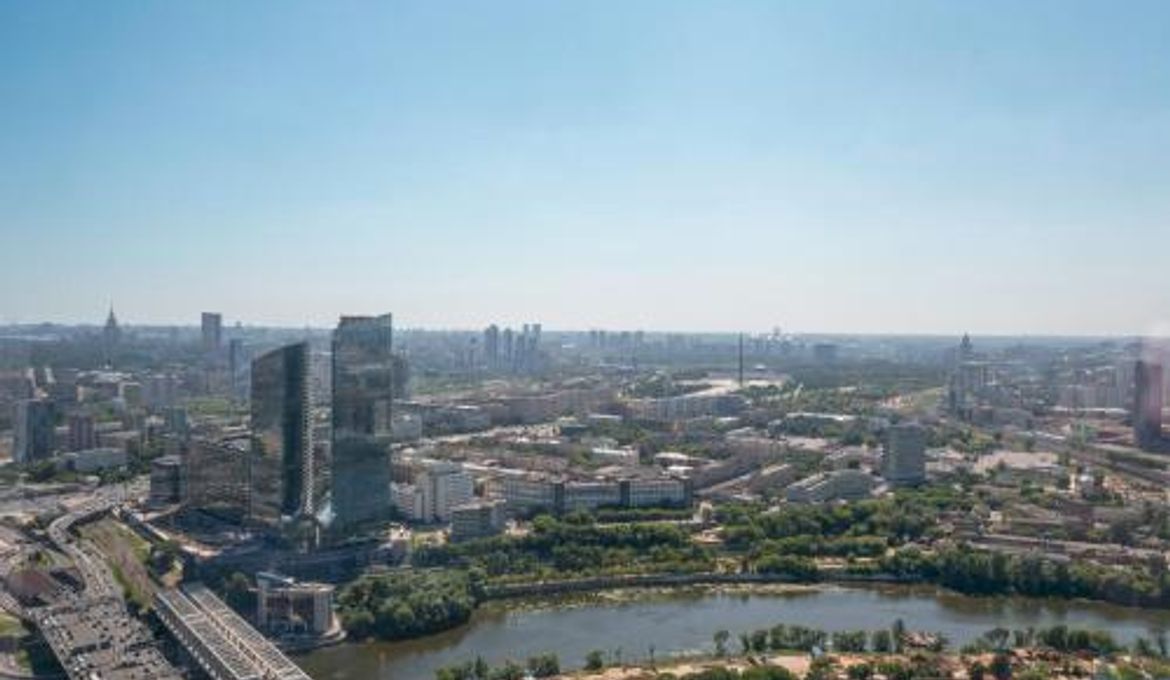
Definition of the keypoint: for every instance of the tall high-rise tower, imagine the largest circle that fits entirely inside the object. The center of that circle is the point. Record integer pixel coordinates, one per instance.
(1147, 407)
(212, 327)
(491, 346)
(33, 434)
(363, 395)
(281, 465)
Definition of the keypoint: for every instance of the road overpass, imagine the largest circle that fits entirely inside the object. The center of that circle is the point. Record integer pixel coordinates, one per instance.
(91, 632)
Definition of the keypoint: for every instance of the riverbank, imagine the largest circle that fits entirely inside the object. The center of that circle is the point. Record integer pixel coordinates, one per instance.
(617, 582)
(679, 622)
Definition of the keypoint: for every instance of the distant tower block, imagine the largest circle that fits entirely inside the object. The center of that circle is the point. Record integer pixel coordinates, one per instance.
(1147, 407)
(212, 326)
(904, 462)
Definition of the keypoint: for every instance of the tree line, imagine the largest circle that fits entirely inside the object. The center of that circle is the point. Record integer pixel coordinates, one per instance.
(407, 603)
(577, 546)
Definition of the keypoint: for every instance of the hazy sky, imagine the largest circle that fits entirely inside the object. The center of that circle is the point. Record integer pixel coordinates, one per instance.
(997, 167)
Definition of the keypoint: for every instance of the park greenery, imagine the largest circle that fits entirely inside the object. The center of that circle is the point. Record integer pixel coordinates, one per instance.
(540, 666)
(407, 603)
(862, 529)
(880, 538)
(575, 546)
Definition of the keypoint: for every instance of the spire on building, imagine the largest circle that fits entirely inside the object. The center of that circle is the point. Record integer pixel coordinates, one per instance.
(111, 331)
(966, 349)
(110, 336)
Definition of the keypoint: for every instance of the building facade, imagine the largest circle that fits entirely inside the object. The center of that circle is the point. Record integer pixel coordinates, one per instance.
(904, 461)
(281, 474)
(363, 395)
(215, 477)
(1148, 397)
(166, 481)
(288, 607)
(82, 434)
(477, 520)
(33, 437)
(211, 326)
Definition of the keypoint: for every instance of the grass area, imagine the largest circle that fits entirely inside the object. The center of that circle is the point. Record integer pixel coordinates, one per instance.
(921, 401)
(126, 553)
(210, 406)
(10, 626)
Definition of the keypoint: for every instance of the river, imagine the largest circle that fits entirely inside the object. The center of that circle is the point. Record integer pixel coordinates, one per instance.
(685, 621)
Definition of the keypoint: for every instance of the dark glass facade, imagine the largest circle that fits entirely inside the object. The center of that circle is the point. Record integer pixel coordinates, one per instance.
(281, 469)
(363, 392)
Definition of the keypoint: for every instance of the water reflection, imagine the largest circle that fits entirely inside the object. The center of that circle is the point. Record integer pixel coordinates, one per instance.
(679, 622)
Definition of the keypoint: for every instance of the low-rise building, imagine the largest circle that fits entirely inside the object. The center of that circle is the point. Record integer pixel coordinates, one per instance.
(831, 486)
(288, 607)
(772, 478)
(478, 519)
(407, 499)
(93, 460)
(611, 456)
(648, 492)
(406, 427)
(590, 496)
(529, 493)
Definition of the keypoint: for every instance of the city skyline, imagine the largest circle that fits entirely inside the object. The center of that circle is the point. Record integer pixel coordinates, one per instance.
(919, 167)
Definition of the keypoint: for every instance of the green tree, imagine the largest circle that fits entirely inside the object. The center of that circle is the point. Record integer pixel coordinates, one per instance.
(721, 637)
(898, 635)
(544, 665)
(881, 641)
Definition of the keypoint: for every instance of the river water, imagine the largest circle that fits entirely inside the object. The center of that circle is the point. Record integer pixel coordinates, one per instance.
(685, 622)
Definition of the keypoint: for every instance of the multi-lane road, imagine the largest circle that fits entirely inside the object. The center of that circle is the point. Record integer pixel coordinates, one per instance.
(91, 632)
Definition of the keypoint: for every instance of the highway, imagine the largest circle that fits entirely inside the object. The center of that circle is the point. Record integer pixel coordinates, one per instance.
(92, 633)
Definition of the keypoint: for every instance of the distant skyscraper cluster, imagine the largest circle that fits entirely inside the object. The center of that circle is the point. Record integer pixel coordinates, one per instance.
(508, 351)
(622, 342)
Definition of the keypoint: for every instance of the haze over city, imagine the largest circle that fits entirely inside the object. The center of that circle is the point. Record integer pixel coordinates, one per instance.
(567, 340)
(911, 167)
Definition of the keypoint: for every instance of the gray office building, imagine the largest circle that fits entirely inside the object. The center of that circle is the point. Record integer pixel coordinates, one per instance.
(33, 438)
(281, 466)
(363, 394)
(1147, 411)
(212, 330)
(904, 460)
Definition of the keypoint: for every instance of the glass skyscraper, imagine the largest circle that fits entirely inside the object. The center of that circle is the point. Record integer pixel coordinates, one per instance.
(281, 466)
(363, 392)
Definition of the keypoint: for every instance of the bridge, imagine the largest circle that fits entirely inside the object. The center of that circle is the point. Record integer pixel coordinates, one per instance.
(223, 644)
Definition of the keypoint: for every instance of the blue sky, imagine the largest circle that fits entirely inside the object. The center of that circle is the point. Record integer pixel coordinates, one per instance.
(998, 167)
